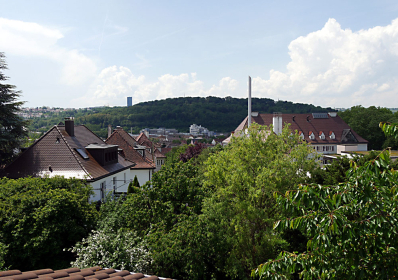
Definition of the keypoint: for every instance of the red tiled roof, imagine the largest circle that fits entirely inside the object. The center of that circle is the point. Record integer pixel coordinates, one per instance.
(55, 154)
(143, 140)
(74, 273)
(166, 150)
(300, 123)
(126, 143)
(159, 154)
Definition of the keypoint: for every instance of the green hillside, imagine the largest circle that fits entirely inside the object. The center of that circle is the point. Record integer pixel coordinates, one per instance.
(217, 114)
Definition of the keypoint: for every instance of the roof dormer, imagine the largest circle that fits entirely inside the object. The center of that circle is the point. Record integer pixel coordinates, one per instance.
(332, 135)
(321, 135)
(104, 154)
(311, 135)
(140, 149)
(301, 134)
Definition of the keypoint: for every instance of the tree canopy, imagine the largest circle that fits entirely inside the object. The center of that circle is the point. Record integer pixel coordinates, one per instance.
(351, 226)
(12, 127)
(365, 122)
(40, 217)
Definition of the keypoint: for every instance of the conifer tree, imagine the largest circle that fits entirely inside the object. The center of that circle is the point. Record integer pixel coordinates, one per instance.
(12, 127)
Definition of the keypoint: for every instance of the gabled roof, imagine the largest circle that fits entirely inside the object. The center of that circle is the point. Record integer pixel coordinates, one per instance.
(127, 143)
(58, 154)
(344, 134)
(142, 139)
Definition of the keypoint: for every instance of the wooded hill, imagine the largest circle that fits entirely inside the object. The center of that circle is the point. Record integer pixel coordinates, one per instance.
(214, 113)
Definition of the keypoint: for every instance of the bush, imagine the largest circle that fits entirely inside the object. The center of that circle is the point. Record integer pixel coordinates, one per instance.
(107, 248)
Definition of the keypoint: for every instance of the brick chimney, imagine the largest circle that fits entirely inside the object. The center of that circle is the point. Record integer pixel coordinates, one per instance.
(70, 126)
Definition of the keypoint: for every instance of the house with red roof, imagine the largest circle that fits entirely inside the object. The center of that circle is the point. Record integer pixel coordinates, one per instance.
(158, 157)
(326, 132)
(130, 149)
(75, 152)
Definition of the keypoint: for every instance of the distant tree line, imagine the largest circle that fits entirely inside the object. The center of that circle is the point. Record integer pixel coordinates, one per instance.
(214, 113)
(365, 122)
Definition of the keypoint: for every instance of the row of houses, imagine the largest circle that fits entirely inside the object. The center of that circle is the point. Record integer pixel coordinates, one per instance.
(71, 150)
(74, 151)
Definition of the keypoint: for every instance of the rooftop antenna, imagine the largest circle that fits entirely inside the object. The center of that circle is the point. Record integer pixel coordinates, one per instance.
(249, 103)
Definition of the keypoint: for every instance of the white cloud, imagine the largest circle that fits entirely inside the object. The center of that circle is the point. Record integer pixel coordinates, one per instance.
(338, 67)
(114, 84)
(34, 40)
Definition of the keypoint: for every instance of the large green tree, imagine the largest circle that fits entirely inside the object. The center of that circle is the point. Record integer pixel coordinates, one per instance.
(352, 226)
(242, 209)
(365, 122)
(12, 127)
(40, 217)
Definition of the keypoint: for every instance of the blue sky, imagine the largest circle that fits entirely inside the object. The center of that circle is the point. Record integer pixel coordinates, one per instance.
(94, 53)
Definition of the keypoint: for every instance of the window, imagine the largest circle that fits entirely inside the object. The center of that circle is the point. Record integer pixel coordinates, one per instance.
(331, 135)
(311, 135)
(322, 135)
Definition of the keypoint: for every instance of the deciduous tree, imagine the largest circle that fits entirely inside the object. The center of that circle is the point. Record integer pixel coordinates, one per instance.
(244, 177)
(352, 226)
(40, 217)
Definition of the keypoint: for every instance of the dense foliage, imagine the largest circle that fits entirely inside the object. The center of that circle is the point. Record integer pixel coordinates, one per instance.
(12, 127)
(41, 217)
(365, 122)
(208, 213)
(244, 176)
(217, 114)
(352, 226)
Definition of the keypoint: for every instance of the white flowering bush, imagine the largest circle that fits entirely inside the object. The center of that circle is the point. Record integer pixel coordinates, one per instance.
(116, 249)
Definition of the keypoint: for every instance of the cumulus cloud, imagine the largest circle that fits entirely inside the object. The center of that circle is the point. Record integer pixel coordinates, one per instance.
(30, 39)
(114, 84)
(338, 67)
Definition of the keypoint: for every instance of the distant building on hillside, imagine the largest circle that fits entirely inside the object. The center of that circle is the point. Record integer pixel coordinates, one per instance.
(129, 101)
(195, 129)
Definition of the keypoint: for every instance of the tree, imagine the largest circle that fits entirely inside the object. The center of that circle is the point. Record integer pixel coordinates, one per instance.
(133, 186)
(12, 127)
(365, 122)
(40, 217)
(352, 226)
(241, 209)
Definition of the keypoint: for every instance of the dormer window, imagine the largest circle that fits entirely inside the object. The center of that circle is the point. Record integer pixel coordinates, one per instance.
(140, 149)
(301, 134)
(321, 135)
(331, 135)
(311, 135)
(104, 154)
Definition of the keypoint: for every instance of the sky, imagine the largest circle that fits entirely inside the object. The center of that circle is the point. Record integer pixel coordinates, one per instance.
(86, 53)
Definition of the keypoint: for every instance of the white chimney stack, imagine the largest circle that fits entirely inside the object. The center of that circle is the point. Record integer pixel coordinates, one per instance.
(277, 123)
(249, 104)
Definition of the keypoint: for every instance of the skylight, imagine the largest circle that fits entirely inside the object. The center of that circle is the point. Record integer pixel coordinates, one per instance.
(82, 153)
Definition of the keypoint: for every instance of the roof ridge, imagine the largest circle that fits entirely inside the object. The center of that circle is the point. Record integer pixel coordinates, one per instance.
(92, 132)
(73, 153)
(31, 146)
